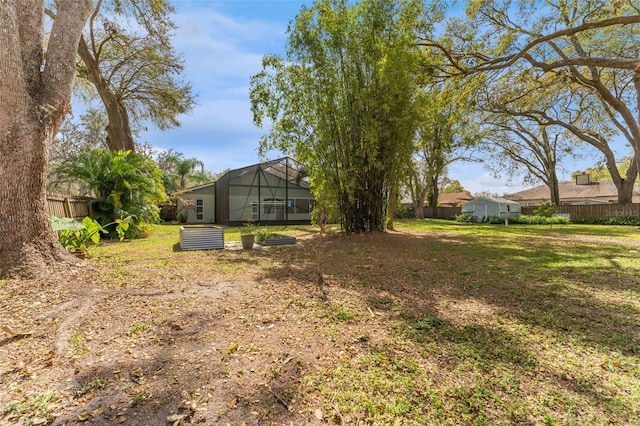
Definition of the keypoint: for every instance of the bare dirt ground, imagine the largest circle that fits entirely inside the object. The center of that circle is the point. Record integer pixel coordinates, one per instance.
(209, 338)
(222, 337)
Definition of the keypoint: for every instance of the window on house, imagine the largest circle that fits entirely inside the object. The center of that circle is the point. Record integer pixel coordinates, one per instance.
(272, 205)
(199, 209)
(302, 205)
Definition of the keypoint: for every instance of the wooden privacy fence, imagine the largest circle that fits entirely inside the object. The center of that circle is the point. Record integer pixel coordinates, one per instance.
(575, 212)
(66, 206)
(441, 212)
(595, 210)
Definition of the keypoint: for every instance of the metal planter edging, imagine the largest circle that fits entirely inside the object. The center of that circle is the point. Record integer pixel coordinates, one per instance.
(201, 237)
(279, 240)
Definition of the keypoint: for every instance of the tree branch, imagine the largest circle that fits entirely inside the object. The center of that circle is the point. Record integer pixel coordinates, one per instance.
(59, 70)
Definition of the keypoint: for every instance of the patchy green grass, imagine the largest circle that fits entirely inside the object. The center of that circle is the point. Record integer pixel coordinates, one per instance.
(439, 323)
(78, 343)
(498, 325)
(92, 385)
(36, 409)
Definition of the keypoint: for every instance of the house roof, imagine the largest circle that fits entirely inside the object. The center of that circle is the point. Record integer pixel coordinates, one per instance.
(569, 190)
(193, 188)
(454, 197)
(494, 200)
(284, 168)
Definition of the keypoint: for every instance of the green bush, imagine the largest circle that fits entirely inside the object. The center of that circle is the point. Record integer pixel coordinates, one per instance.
(546, 209)
(263, 235)
(405, 212)
(464, 218)
(530, 220)
(125, 185)
(622, 220)
(77, 236)
(496, 220)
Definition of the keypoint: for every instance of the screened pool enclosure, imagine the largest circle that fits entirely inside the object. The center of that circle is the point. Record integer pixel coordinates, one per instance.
(273, 192)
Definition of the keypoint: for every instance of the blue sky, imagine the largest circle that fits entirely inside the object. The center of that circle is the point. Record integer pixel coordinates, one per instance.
(223, 43)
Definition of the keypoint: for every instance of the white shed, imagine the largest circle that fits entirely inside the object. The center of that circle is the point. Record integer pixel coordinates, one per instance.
(482, 207)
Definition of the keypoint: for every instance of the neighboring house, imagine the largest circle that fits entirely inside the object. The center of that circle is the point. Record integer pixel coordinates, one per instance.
(204, 197)
(580, 192)
(454, 199)
(274, 192)
(482, 207)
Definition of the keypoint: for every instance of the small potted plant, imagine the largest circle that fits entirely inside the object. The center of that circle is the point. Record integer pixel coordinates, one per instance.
(247, 235)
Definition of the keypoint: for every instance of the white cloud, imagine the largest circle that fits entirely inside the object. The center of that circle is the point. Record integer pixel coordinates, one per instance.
(221, 53)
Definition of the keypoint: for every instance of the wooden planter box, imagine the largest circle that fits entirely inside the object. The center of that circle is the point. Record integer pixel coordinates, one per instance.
(201, 237)
(279, 240)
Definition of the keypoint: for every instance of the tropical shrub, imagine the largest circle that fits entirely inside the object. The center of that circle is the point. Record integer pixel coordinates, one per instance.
(125, 184)
(169, 211)
(77, 236)
(74, 235)
(546, 209)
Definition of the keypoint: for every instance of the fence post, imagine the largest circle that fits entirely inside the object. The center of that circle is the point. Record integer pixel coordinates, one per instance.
(67, 207)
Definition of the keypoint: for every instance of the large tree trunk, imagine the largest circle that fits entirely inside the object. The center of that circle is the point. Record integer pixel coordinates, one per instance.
(435, 192)
(418, 208)
(119, 137)
(27, 243)
(554, 189)
(392, 209)
(418, 205)
(37, 91)
(626, 185)
(623, 185)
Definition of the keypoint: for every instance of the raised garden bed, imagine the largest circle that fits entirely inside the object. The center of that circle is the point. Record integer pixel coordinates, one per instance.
(279, 240)
(201, 237)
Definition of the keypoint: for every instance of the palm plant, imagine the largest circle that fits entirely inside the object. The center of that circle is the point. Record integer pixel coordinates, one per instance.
(185, 168)
(123, 183)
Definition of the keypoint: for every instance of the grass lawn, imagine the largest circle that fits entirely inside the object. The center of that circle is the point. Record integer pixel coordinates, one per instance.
(435, 323)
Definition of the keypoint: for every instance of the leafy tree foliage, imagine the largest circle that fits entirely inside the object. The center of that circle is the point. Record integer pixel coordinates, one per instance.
(342, 102)
(518, 142)
(487, 193)
(600, 172)
(588, 48)
(128, 62)
(125, 184)
(450, 186)
(180, 172)
(86, 134)
(445, 132)
(527, 99)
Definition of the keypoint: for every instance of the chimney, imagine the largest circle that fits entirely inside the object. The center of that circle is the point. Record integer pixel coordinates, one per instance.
(583, 179)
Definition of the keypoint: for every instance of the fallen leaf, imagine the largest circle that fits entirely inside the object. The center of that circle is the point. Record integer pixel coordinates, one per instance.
(16, 333)
(176, 418)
